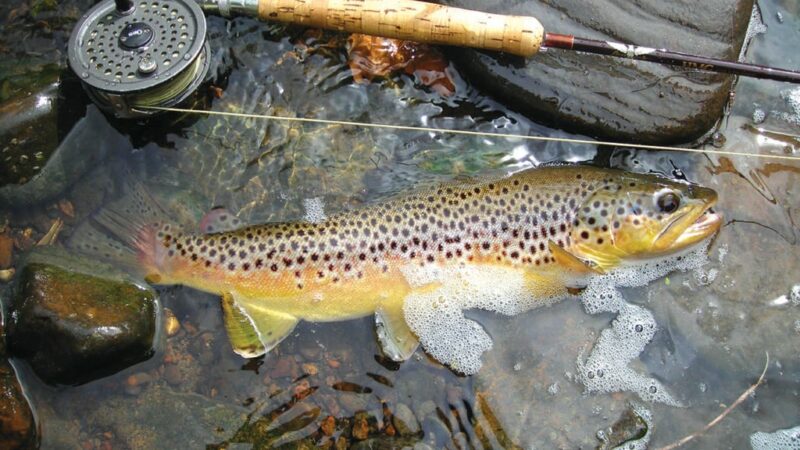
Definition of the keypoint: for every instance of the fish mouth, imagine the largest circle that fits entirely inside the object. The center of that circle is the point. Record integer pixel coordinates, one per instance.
(696, 224)
(707, 224)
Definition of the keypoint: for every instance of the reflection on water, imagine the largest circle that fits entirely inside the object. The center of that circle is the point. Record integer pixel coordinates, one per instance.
(327, 385)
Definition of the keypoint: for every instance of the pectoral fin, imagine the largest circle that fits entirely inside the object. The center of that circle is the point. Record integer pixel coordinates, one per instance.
(571, 262)
(253, 330)
(397, 340)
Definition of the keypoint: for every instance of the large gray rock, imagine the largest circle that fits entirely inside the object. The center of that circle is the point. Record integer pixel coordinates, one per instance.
(614, 98)
(75, 320)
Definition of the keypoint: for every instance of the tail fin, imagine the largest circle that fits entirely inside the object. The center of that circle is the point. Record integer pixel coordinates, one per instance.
(125, 231)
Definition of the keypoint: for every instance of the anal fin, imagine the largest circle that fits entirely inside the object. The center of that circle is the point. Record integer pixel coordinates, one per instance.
(396, 338)
(253, 330)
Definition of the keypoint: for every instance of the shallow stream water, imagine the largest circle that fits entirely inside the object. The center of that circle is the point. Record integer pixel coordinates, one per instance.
(715, 324)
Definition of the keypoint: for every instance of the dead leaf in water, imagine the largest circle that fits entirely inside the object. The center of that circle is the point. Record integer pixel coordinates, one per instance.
(65, 206)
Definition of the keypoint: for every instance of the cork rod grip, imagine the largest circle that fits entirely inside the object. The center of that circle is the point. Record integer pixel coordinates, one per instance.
(412, 20)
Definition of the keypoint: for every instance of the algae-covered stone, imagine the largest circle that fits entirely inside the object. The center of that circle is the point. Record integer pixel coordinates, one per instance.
(74, 320)
(610, 97)
(17, 424)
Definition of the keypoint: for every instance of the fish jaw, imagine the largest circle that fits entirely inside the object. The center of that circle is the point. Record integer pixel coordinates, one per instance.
(695, 225)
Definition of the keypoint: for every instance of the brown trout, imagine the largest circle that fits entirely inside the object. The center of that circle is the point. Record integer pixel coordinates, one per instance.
(416, 261)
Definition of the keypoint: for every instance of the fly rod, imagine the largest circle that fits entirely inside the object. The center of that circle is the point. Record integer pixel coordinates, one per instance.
(444, 25)
(134, 56)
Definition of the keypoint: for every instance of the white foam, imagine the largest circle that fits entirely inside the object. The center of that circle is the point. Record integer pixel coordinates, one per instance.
(754, 27)
(788, 439)
(606, 369)
(315, 210)
(792, 99)
(435, 311)
(759, 115)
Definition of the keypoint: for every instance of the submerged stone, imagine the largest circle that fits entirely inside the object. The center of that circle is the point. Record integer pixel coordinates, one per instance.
(59, 168)
(615, 98)
(17, 423)
(73, 323)
(628, 428)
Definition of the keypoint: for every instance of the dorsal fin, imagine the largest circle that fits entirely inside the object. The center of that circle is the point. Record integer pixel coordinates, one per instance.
(571, 262)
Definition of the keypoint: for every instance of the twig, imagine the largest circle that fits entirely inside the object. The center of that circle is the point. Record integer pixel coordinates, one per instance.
(724, 414)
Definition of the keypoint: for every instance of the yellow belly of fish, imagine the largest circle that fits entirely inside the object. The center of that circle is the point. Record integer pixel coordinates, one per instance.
(327, 301)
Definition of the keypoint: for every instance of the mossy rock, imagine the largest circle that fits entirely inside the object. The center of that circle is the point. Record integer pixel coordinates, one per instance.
(75, 320)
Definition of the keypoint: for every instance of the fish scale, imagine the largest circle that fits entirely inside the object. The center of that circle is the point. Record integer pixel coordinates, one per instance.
(508, 222)
(417, 261)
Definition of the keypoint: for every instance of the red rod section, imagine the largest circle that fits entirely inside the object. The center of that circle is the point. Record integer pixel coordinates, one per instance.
(662, 56)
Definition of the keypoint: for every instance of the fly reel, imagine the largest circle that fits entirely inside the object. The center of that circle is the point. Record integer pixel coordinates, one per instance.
(132, 55)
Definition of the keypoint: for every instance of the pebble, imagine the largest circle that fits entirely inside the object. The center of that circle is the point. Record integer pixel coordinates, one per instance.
(310, 369)
(171, 324)
(404, 421)
(360, 426)
(328, 426)
(284, 367)
(172, 375)
(6, 275)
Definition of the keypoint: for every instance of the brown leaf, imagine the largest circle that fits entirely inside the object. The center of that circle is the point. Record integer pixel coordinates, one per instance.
(65, 206)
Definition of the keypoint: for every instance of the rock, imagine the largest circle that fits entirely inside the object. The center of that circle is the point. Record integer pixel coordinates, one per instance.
(629, 427)
(18, 428)
(360, 426)
(383, 443)
(404, 421)
(614, 98)
(75, 320)
(69, 161)
(163, 418)
(6, 249)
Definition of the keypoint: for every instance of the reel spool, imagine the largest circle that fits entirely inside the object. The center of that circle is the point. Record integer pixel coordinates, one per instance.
(135, 54)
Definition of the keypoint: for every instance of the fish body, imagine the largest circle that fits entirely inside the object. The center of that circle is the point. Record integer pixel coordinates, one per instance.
(530, 238)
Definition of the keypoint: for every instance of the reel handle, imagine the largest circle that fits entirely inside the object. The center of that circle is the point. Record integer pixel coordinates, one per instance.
(412, 20)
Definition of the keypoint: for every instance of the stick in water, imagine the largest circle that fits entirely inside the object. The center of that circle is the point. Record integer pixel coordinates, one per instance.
(724, 414)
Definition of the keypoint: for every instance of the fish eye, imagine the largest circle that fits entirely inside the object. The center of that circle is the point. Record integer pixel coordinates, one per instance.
(668, 202)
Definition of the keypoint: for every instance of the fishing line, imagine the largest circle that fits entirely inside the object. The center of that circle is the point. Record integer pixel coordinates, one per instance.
(469, 133)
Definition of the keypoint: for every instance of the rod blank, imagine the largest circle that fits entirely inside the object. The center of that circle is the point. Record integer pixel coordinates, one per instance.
(662, 56)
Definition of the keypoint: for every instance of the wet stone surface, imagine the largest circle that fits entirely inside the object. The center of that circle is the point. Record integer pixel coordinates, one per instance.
(17, 424)
(603, 96)
(71, 326)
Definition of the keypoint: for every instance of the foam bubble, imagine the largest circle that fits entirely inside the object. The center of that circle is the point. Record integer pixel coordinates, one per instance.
(788, 439)
(792, 99)
(759, 115)
(755, 27)
(434, 311)
(315, 210)
(606, 369)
